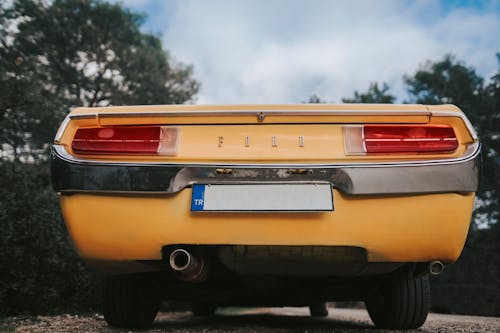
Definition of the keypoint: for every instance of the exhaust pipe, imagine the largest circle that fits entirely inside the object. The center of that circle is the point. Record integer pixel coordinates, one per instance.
(436, 267)
(189, 267)
(180, 260)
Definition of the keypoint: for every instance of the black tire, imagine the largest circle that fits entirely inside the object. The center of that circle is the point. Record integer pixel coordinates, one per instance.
(401, 302)
(318, 310)
(129, 302)
(203, 309)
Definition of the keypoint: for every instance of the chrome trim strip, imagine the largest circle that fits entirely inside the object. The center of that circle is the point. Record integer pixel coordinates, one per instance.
(462, 116)
(195, 113)
(66, 121)
(62, 128)
(471, 152)
(84, 116)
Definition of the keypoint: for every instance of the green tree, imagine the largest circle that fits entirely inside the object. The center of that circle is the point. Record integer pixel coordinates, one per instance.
(66, 53)
(452, 81)
(490, 135)
(314, 99)
(448, 81)
(375, 94)
(21, 100)
(40, 270)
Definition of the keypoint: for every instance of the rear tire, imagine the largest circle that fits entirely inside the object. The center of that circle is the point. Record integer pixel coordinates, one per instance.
(203, 309)
(129, 302)
(318, 310)
(401, 302)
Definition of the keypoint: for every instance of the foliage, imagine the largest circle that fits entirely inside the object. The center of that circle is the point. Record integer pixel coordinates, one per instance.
(373, 95)
(448, 81)
(67, 53)
(315, 99)
(472, 284)
(22, 105)
(40, 270)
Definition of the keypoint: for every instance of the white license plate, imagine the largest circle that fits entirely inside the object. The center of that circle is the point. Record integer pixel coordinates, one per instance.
(262, 197)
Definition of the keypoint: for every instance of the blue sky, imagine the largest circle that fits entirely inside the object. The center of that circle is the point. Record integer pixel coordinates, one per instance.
(283, 51)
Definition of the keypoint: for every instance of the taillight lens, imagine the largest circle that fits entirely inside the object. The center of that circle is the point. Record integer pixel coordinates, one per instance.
(127, 140)
(361, 139)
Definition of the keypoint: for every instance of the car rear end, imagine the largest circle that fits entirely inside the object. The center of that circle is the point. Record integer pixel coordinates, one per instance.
(326, 195)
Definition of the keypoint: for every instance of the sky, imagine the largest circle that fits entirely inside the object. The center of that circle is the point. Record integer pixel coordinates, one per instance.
(283, 51)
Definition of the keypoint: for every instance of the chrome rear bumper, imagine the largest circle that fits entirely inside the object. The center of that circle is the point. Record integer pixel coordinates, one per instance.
(460, 175)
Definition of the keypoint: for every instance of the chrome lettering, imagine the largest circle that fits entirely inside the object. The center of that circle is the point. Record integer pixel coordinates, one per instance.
(301, 141)
(275, 141)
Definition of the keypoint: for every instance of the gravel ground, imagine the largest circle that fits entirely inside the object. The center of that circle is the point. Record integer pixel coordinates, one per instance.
(251, 320)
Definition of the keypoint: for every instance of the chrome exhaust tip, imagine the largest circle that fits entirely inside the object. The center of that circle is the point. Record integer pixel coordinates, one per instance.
(189, 267)
(180, 260)
(436, 267)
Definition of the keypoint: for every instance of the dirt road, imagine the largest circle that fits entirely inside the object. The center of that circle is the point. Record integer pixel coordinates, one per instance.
(274, 320)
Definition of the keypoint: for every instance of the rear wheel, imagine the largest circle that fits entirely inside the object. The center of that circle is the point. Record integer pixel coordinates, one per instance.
(129, 302)
(318, 310)
(401, 302)
(203, 309)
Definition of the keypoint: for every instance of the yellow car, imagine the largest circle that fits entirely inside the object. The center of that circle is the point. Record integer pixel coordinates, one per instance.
(267, 204)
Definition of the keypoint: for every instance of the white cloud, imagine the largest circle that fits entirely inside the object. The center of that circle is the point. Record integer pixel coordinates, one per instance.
(283, 51)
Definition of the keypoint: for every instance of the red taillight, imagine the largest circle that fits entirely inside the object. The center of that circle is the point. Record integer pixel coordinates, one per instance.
(399, 139)
(129, 140)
